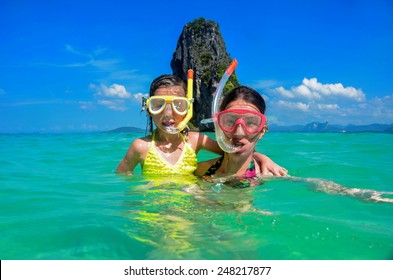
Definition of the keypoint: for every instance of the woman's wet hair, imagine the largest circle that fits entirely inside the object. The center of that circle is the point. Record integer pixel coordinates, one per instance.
(247, 94)
(166, 80)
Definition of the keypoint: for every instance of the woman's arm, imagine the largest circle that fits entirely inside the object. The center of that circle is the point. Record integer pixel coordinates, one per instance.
(269, 167)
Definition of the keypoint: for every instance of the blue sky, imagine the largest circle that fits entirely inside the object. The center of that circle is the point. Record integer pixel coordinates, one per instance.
(83, 65)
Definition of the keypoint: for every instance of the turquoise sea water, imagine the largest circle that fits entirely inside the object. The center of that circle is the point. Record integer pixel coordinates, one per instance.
(61, 199)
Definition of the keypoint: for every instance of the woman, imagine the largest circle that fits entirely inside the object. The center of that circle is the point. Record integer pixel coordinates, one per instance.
(242, 121)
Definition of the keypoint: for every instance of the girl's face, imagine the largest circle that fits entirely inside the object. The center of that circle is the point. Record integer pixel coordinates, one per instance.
(244, 129)
(168, 119)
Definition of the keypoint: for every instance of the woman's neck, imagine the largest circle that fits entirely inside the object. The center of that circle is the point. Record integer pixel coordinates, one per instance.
(235, 164)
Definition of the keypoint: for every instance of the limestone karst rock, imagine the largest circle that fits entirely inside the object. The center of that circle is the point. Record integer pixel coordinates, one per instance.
(201, 47)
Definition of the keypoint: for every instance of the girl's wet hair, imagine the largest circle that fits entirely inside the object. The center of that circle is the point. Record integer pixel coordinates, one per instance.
(167, 80)
(247, 94)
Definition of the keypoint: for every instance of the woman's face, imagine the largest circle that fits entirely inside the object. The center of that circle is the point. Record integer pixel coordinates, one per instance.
(240, 135)
(168, 119)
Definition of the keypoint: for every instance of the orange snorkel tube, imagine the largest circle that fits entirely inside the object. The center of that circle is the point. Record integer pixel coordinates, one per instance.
(190, 86)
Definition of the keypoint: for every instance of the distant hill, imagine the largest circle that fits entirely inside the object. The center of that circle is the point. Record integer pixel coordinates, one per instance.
(125, 129)
(318, 127)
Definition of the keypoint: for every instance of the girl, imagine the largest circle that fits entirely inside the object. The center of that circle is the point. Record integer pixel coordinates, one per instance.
(243, 123)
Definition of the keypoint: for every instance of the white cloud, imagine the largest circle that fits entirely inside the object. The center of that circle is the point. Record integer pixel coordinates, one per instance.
(86, 105)
(334, 103)
(115, 97)
(117, 105)
(311, 89)
(90, 59)
(113, 91)
(138, 96)
(72, 50)
(37, 102)
(294, 105)
(328, 106)
(285, 93)
(378, 108)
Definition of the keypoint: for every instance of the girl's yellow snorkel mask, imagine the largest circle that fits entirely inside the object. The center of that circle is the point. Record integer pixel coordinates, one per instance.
(180, 105)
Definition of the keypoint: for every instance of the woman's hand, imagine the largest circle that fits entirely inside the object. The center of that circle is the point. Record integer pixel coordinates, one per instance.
(269, 167)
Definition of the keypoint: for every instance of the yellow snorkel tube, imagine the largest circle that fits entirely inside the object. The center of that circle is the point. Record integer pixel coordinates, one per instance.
(190, 86)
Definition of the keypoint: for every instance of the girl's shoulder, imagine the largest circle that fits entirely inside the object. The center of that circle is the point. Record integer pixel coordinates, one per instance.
(197, 136)
(201, 141)
(193, 133)
(141, 144)
(193, 136)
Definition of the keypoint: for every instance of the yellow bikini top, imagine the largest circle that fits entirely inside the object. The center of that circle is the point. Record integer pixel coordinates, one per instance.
(155, 164)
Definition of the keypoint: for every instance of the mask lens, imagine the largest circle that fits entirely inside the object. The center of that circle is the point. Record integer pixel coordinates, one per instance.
(227, 121)
(156, 105)
(180, 106)
(252, 122)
